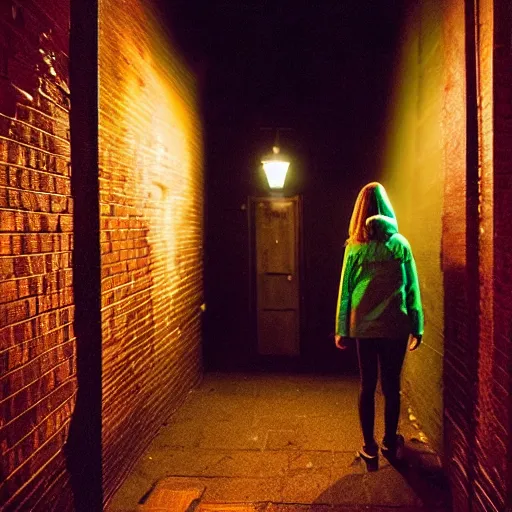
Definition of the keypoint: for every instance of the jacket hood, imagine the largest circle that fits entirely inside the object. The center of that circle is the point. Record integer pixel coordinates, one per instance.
(382, 202)
(381, 227)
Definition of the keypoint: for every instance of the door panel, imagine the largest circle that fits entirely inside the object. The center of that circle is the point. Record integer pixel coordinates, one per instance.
(275, 236)
(277, 276)
(277, 291)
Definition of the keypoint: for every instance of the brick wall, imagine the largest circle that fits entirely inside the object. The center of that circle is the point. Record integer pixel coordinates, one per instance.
(151, 231)
(477, 369)
(37, 343)
(492, 489)
(469, 71)
(460, 354)
(414, 175)
(501, 373)
(491, 436)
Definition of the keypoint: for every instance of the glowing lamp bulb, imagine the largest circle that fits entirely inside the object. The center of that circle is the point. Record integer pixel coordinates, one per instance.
(275, 170)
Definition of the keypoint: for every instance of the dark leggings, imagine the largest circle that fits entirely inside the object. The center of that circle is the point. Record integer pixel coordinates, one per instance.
(390, 353)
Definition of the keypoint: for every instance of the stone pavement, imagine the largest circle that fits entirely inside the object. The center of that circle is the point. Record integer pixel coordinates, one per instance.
(280, 443)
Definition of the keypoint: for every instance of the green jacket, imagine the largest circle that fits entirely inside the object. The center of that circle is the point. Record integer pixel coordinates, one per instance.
(379, 295)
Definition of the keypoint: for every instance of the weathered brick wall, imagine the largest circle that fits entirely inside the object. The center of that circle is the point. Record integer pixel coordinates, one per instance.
(491, 490)
(414, 175)
(456, 88)
(477, 369)
(151, 195)
(460, 353)
(491, 435)
(37, 343)
(502, 155)
(501, 373)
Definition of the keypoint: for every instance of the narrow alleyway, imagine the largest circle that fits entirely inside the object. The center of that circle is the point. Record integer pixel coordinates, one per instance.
(132, 142)
(264, 440)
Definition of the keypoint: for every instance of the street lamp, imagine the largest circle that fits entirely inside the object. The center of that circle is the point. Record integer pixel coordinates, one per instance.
(275, 168)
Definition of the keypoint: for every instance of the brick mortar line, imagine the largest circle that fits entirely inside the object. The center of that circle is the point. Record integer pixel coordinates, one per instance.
(34, 127)
(131, 310)
(149, 300)
(40, 470)
(34, 212)
(19, 189)
(27, 298)
(20, 489)
(34, 170)
(52, 369)
(51, 100)
(35, 148)
(51, 118)
(36, 232)
(26, 341)
(110, 385)
(69, 306)
(72, 376)
(20, 233)
(24, 365)
(28, 254)
(50, 487)
(66, 269)
(120, 287)
(61, 385)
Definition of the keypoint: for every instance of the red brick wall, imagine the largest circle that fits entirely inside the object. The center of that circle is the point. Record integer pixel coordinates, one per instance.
(477, 370)
(458, 149)
(37, 343)
(151, 231)
(491, 436)
(502, 368)
(495, 425)
(459, 353)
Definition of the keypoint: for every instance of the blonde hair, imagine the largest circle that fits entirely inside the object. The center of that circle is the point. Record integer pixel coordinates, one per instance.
(366, 205)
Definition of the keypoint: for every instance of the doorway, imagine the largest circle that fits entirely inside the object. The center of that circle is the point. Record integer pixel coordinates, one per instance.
(275, 253)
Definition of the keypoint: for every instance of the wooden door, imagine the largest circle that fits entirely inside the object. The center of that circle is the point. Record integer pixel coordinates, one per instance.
(276, 222)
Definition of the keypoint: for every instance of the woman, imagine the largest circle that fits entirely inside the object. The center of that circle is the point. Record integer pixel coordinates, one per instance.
(379, 305)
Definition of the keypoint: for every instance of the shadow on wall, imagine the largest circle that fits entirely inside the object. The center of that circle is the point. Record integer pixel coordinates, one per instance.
(460, 371)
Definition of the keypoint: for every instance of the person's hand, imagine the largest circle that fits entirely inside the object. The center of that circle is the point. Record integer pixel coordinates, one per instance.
(414, 341)
(340, 342)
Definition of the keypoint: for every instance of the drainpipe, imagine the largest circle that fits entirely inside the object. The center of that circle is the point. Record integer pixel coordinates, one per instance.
(83, 449)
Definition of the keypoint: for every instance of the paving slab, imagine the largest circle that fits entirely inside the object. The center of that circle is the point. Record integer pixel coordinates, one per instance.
(166, 497)
(239, 463)
(347, 490)
(231, 435)
(345, 463)
(265, 423)
(282, 441)
(229, 384)
(214, 406)
(306, 486)
(387, 487)
(178, 435)
(241, 490)
(311, 460)
(233, 507)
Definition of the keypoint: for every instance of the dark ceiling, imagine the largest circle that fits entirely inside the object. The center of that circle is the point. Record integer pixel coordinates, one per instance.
(282, 56)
